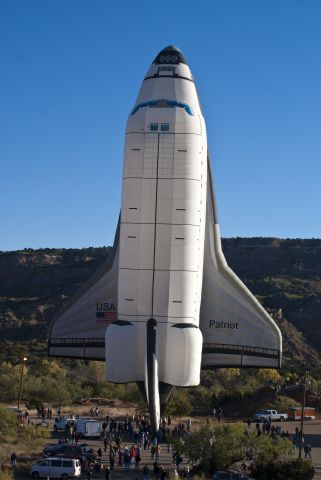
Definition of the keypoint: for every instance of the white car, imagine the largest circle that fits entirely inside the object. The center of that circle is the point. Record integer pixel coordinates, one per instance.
(56, 468)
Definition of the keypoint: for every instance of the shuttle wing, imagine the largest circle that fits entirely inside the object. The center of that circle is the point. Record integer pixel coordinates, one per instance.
(237, 331)
(79, 329)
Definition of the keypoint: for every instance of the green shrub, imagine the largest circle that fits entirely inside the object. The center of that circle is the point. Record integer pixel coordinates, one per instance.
(8, 423)
(283, 403)
(131, 394)
(290, 470)
(180, 403)
(34, 402)
(201, 397)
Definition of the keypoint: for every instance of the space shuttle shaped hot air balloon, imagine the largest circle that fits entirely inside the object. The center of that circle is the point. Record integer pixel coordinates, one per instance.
(166, 304)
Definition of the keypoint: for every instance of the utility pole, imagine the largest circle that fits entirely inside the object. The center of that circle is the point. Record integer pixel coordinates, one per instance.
(22, 360)
(302, 412)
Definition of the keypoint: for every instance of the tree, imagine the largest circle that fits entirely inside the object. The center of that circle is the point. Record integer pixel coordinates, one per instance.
(50, 369)
(218, 447)
(271, 374)
(8, 423)
(179, 403)
(9, 382)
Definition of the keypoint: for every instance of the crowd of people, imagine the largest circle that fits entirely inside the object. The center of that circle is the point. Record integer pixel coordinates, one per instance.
(45, 413)
(125, 440)
(267, 428)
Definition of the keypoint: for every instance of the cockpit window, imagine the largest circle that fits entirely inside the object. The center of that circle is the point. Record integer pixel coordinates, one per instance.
(163, 103)
(170, 55)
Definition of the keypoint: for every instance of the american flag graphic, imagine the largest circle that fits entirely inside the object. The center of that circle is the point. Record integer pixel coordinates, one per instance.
(106, 317)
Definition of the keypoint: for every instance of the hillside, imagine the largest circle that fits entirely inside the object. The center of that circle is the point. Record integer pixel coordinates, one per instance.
(34, 284)
(284, 274)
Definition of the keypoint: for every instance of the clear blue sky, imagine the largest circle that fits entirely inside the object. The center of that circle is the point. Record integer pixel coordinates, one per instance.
(69, 75)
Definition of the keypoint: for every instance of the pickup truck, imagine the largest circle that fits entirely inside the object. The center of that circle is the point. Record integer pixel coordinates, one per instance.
(275, 416)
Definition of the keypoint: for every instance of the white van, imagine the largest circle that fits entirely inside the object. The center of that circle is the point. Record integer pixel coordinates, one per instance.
(56, 467)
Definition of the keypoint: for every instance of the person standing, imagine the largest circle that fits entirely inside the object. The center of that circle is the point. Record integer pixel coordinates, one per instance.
(145, 472)
(189, 424)
(219, 414)
(89, 472)
(156, 470)
(178, 460)
(13, 459)
(307, 450)
(152, 452)
(157, 451)
(126, 458)
(111, 461)
(137, 460)
(145, 441)
(163, 473)
(99, 453)
(105, 444)
(107, 474)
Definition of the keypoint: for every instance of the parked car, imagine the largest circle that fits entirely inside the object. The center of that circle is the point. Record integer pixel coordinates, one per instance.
(83, 453)
(56, 468)
(16, 410)
(61, 423)
(42, 424)
(227, 475)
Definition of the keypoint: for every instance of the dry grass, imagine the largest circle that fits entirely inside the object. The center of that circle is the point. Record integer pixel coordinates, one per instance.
(6, 475)
(26, 441)
(113, 409)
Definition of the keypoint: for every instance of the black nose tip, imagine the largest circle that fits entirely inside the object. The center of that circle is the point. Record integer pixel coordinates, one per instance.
(171, 48)
(170, 55)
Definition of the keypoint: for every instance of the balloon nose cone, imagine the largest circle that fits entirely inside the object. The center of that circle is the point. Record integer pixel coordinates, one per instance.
(171, 47)
(170, 55)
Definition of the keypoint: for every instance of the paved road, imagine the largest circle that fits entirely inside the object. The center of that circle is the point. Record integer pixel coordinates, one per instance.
(312, 435)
